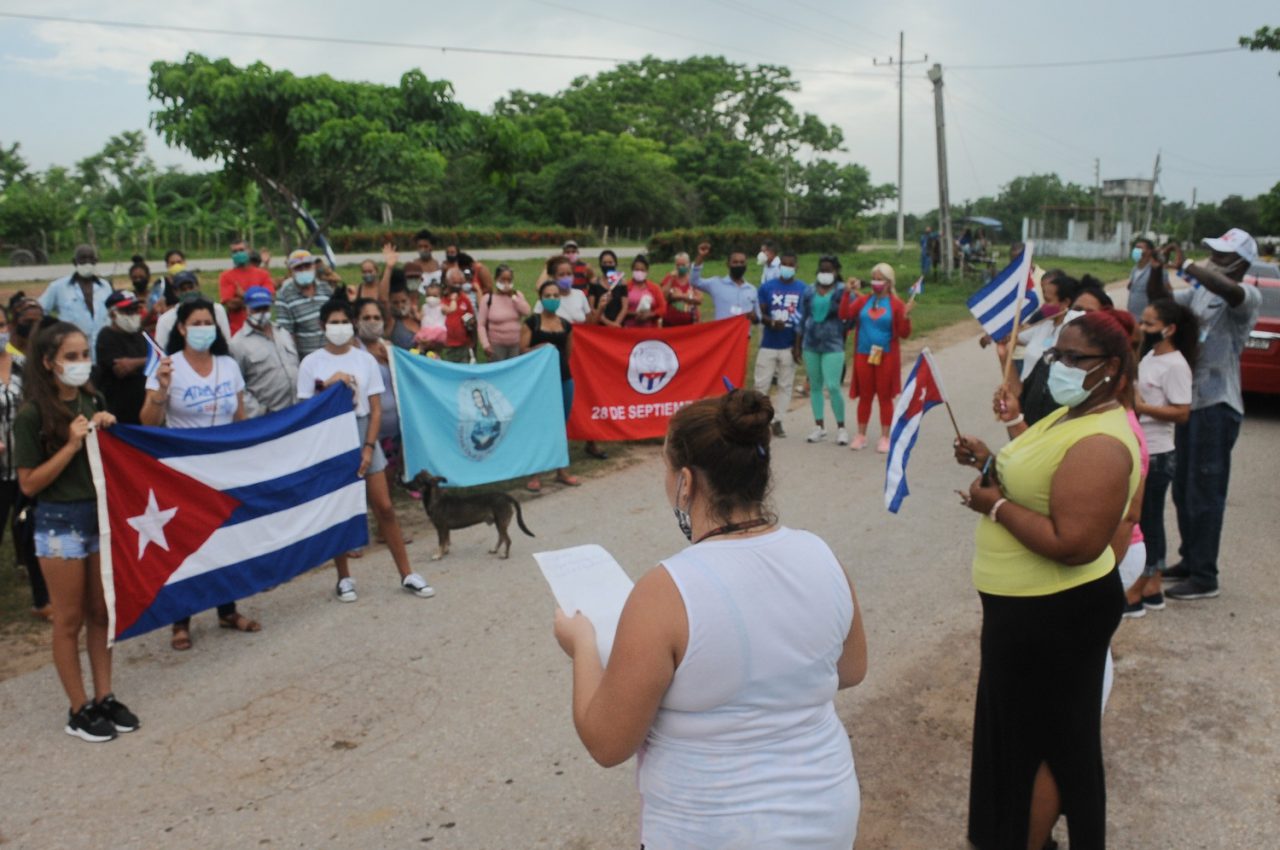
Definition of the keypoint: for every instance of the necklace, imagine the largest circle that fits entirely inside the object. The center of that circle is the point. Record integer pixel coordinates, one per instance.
(734, 527)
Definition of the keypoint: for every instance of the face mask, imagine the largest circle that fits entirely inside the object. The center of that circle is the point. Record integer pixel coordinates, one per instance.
(259, 320)
(503, 286)
(433, 300)
(368, 278)
(682, 270)
(414, 283)
(608, 270)
(762, 258)
(139, 284)
(877, 286)
(682, 517)
(550, 305)
(399, 312)
(370, 329)
(468, 288)
(1072, 315)
(201, 337)
(786, 272)
(75, 374)
(304, 278)
(571, 256)
(424, 255)
(177, 267)
(239, 258)
(565, 283)
(639, 275)
(339, 335)
(1066, 383)
(86, 271)
(820, 307)
(4, 340)
(1136, 253)
(737, 272)
(826, 278)
(1050, 310)
(451, 258)
(128, 324)
(24, 328)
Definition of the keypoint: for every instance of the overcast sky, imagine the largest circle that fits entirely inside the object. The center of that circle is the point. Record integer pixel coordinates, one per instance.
(67, 87)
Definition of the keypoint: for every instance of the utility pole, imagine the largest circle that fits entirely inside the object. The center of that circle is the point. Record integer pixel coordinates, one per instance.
(901, 65)
(1191, 236)
(944, 192)
(1097, 198)
(1151, 195)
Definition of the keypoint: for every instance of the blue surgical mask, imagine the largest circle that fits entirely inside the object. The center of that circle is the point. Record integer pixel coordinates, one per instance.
(550, 305)
(682, 517)
(201, 337)
(1136, 253)
(304, 278)
(1066, 383)
(786, 272)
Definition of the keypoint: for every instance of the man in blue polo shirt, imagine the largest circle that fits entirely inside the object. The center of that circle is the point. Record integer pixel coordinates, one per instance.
(81, 297)
(781, 315)
(732, 295)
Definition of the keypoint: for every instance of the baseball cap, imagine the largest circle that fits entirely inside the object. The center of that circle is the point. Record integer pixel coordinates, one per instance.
(300, 257)
(256, 297)
(1235, 241)
(122, 299)
(569, 243)
(185, 277)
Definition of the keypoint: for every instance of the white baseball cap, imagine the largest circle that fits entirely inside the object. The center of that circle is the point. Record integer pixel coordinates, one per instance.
(1235, 241)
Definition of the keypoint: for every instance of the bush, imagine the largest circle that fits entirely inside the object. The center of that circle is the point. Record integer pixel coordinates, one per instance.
(665, 245)
(371, 239)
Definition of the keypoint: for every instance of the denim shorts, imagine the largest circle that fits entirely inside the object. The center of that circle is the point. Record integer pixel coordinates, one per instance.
(66, 529)
(379, 460)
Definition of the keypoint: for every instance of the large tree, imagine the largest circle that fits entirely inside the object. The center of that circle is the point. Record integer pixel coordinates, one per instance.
(327, 143)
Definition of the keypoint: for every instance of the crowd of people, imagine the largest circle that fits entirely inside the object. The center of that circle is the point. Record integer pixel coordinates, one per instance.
(1107, 411)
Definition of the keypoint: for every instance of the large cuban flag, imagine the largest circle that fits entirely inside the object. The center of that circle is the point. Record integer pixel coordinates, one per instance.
(192, 518)
(995, 305)
(478, 423)
(922, 391)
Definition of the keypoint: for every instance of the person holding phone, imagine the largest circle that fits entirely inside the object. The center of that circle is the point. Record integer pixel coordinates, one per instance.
(880, 321)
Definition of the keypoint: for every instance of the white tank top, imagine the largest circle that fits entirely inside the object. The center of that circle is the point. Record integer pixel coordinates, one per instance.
(746, 749)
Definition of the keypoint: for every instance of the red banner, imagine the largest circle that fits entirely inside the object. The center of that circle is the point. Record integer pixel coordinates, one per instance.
(629, 381)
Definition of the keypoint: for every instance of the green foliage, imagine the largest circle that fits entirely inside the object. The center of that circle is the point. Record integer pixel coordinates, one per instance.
(1269, 211)
(1264, 38)
(664, 246)
(357, 240)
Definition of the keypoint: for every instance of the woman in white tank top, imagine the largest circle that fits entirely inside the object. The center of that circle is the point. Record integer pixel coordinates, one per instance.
(727, 658)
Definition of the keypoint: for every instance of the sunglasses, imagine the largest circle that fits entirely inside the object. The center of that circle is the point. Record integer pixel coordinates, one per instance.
(1070, 359)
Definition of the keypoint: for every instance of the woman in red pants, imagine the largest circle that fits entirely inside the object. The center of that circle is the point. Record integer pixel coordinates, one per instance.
(880, 319)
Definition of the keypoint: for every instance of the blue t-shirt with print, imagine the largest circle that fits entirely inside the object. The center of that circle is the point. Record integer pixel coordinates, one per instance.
(782, 300)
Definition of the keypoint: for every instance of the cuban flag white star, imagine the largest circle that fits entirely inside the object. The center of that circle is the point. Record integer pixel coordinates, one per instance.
(150, 524)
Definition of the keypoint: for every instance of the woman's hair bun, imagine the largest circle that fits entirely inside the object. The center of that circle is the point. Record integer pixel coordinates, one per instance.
(137, 259)
(744, 418)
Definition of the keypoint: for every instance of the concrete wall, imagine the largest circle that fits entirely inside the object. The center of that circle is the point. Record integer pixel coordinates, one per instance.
(1078, 244)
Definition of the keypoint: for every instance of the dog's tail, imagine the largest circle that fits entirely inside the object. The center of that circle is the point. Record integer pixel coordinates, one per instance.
(519, 516)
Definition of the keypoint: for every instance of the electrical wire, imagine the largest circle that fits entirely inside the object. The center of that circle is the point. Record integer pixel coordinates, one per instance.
(1078, 63)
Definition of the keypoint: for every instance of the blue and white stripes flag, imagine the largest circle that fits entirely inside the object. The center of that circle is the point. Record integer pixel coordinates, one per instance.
(479, 423)
(191, 518)
(995, 304)
(922, 391)
(917, 288)
(154, 355)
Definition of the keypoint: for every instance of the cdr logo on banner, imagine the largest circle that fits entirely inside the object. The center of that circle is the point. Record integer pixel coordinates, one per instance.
(484, 417)
(651, 366)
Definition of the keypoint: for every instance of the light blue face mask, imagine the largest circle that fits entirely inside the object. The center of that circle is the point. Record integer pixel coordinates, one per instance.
(1136, 253)
(304, 278)
(1066, 383)
(786, 272)
(201, 337)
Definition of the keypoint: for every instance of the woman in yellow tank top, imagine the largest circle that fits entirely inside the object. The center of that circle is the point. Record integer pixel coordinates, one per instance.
(1051, 597)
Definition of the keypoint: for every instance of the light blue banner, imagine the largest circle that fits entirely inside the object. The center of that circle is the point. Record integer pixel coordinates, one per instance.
(479, 423)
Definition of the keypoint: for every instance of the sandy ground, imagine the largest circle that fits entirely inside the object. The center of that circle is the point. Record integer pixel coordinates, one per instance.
(397, 721)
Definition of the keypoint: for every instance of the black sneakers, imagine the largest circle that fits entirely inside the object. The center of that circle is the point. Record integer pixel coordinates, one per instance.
(118, 713)
(1178, 572)
(90, 724)
(1190, 590)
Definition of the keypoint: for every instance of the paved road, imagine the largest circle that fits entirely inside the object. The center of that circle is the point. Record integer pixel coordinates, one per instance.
(395, 721)
(11, 274)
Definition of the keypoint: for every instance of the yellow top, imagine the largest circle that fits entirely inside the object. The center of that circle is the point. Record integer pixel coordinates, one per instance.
(1004, 567)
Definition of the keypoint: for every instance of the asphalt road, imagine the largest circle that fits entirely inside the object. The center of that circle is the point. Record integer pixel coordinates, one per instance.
(397, 721)
(11, 274)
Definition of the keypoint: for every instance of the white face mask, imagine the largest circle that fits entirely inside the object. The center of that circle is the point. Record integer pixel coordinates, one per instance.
(75, 374)
(259, 320)
(370, 329)
(762, 258)
(826, 278)
(130, 324)
(504, 286)
(339, 335)
(88, 271)
(639, 275)
(433, 300)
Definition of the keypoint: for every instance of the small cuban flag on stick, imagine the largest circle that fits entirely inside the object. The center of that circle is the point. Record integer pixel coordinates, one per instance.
(917, 288)
(922, 391)
(154, 355)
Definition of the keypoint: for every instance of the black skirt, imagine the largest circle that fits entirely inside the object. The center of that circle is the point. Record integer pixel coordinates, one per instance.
(1040, 701)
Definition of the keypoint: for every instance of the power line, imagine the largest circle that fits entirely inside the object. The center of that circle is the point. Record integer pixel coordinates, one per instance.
(772, 16)
(631, 24)
(839, 19)
(1083, 62)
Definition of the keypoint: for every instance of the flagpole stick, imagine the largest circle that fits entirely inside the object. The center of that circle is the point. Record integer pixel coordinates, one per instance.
(954, 424)
(1013, 337)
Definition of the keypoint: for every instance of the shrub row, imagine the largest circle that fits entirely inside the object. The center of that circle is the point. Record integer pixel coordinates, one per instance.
(663, 246)
(355, 240)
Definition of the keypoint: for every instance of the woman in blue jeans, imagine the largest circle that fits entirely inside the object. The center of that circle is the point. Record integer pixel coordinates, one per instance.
(1170, 336)
(49, 452)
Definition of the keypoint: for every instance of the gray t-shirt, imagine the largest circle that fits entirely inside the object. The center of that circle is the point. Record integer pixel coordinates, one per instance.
(1138, 277)
(1224, 330)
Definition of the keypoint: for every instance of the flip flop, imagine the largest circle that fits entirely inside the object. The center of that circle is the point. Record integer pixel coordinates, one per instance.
(534, 486)
(240, 623)
(181, 640)
(568, 480)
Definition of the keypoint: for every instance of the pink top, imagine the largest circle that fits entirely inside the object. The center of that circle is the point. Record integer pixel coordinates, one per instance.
(500, 318)
(1146, 466)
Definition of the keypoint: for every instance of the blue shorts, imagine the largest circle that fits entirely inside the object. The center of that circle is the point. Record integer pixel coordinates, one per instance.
(66, 529)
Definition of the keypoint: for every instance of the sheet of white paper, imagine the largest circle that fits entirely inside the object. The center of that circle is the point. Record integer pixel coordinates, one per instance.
(588, 579)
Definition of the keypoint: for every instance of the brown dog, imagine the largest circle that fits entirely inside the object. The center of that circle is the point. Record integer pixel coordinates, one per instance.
(449, 510)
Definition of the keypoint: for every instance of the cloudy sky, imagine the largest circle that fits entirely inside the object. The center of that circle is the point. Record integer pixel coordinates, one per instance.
(68, 86)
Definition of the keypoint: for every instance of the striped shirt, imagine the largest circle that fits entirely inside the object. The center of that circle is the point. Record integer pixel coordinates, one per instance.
(10, 399)
(300, 314)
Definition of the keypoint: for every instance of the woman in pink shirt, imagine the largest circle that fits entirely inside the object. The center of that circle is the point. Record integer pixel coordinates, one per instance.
(501, 313)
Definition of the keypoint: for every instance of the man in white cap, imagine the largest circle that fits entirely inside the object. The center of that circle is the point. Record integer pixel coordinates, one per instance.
(1227, 311)
(299, 301)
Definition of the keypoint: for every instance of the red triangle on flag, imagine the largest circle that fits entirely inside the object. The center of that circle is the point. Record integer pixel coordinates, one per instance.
(158, 517)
